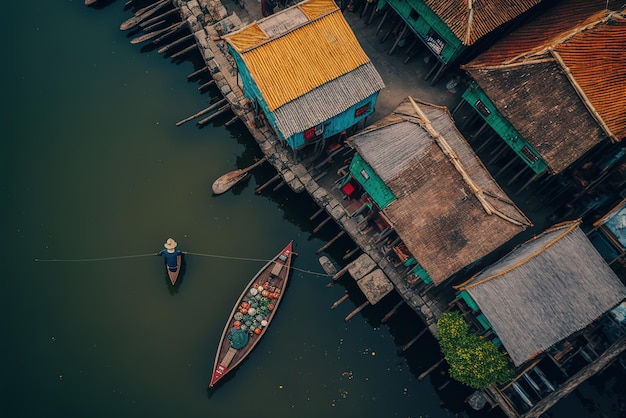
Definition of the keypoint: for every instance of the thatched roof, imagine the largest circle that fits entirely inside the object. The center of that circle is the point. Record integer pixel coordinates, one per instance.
(306, 53)
(470, 20)
(560, 80)
(437, 214)
(545, 290)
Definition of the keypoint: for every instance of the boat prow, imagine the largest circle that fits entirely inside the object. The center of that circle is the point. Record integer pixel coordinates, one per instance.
(252, 314)
(173, 275)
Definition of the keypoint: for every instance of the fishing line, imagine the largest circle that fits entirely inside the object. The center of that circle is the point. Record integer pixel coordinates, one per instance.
(57, 260)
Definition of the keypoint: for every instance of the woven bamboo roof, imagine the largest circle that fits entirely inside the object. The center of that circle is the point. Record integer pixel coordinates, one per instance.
(297, 50)
(437, 214)
(470, 20)
(561, 79)
(545, 290)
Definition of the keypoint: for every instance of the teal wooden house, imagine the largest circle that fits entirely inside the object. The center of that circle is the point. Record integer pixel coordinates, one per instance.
(609, 234)
(417, 171)
(449, 27)
(305, 71)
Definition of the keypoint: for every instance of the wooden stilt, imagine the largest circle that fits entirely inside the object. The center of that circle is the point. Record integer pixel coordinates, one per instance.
(156, 18)
(513, 160)
(357, 310)
(458, 107)
(154, 26)
(471, 119)
(395, 44)
(156, 5)
(351, 253)
(176, 28)
(267, 183)
(331, 242)
(430, 369)
(392, 312)
(316, 214)
(338, 302)
(233, 120)
(214, 115)
(498, 154)
(371, 16)
(480, 130)
(207, 84)
(440, 388)
(150, 35)
(380, 25)
(173, 44)
(410, 343)
(278, 186)
(341, 272)
(324, 222)
(530, 180)
(202, 112)
(519, 173)
(485, 143)
(197, 72)
(184, 51)
(438, 74)
(433, 69)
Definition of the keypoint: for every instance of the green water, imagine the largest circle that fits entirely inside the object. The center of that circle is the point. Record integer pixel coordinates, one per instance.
(93, 167)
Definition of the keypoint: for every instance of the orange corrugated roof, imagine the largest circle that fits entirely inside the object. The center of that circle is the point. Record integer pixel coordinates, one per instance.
(597, 61)
(470, 20)
(288, 66)
(589, 40)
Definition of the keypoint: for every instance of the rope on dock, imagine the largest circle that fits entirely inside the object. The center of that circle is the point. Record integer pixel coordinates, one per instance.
(58, 260)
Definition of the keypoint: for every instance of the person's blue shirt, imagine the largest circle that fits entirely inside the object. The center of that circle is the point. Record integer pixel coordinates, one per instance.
(170, 258)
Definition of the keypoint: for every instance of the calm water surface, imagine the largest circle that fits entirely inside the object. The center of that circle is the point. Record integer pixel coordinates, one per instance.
(94, 167)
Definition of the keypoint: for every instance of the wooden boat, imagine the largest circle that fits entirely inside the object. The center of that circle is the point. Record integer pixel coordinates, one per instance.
(252, 314)
(173, 275)
(228, 180)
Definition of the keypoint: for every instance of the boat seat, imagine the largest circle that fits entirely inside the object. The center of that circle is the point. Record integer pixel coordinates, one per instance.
(278, 267)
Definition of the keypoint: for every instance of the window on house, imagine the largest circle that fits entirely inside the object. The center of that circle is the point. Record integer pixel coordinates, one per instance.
(435, 41)
(362, 110)
(414, 15)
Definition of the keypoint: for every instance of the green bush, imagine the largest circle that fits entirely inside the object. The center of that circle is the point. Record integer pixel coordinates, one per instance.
(472, 360)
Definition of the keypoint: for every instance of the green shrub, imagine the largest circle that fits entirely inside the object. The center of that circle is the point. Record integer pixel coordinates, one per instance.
(473, 361)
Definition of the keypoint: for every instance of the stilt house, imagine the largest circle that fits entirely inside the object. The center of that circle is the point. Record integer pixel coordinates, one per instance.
(423, 182)
(609, 234)
(555, 88)
(305, 72)
(449, 27)
(556, 308)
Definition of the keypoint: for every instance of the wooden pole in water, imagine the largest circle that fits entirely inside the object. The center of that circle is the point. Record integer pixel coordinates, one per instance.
(156, 18)
(316, 214)
(430, 369)
(202, 112)
(214, 115)
(150, 35)
(338, 302)
(331, 242)
(207, 84)
(279, 185)
(184, 51)
(324, 222)
(267, 183)
(357, 310)
(410, 343)
(341, 272)
(351, 253)
(197, 72)
(176, 42)
(391, 312)
(233, 120)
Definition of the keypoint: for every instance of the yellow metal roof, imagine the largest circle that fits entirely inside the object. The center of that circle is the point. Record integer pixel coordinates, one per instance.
(291, 64)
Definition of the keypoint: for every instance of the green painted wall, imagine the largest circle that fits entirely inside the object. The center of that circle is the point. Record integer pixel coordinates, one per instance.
(373, 185)
(487, 110)
(424, 22)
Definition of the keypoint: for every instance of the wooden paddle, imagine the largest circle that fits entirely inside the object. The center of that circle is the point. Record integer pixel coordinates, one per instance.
(228, 180)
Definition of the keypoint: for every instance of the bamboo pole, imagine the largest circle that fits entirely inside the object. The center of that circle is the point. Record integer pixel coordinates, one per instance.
(357, 310)
(202, 112)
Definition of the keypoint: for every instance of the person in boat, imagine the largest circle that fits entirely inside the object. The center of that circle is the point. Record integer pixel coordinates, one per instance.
(170, 253)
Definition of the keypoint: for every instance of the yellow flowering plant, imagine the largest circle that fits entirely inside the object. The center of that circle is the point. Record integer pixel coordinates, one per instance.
(473, 361)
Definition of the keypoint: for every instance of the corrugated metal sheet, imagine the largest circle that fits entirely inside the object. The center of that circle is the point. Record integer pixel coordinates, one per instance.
(436, 215)
(305, 57)
(545, 290)
(561, 80)
(328, 100)
(470, 20)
